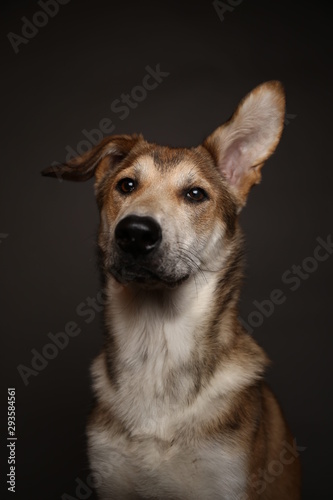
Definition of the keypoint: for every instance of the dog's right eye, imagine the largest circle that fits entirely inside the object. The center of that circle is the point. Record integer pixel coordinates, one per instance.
(126, 186)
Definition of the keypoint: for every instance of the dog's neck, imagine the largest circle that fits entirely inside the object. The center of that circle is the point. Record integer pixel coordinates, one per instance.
(193, 323)
(164, 346)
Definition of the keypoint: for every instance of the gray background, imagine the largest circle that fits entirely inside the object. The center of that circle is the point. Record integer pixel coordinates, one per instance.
(63, 81)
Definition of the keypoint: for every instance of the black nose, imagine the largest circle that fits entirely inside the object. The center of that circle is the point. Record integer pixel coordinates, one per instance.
(138, 235)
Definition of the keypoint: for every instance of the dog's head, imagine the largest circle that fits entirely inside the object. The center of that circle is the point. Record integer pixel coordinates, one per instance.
(168, 213)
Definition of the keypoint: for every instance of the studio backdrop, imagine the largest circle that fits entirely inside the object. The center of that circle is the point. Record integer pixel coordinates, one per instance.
(74, 72)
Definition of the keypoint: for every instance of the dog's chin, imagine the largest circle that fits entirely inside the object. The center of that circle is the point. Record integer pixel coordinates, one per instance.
(146, 278)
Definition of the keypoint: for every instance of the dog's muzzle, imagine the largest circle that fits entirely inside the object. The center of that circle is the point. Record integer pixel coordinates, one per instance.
(139, 257)
(137, 241)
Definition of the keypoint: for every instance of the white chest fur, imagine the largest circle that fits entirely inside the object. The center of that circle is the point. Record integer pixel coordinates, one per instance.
(155, 343)
(149, 469)
(150, 401)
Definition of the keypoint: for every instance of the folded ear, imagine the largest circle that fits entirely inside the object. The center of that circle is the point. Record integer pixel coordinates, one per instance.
(113, 149)
(241, 146)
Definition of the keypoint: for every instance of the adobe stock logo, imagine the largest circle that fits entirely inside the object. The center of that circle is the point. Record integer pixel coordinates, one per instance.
(122, 107)
(259, 480)
(84, 488)
(30, 28)
(223, 7)
(292, 278)
(56, 343)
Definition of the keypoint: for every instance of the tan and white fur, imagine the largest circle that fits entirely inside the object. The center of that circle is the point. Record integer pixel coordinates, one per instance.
(182, 412)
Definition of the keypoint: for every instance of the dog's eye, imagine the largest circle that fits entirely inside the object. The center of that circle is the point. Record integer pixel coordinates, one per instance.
(126, 186)
(196, 194)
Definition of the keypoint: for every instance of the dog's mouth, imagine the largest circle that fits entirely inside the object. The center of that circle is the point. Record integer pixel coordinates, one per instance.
(145, 277)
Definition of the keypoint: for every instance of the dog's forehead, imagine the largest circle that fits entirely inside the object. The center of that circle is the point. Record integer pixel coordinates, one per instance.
(167, 158)
(167, 163)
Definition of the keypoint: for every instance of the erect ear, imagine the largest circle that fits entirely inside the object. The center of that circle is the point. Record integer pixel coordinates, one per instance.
(112, 149)
(241, 146)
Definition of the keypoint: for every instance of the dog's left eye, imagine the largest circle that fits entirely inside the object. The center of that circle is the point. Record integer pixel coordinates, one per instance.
(126, 186)
(196, 194)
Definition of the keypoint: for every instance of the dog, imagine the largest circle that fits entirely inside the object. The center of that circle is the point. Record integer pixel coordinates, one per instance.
(182, 411)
